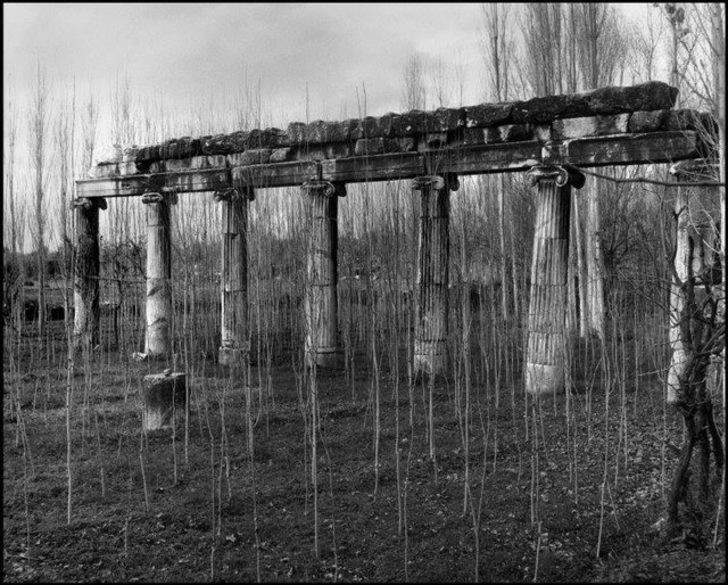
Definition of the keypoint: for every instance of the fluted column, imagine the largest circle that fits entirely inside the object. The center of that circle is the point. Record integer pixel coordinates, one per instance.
(545, 357)
(694, 278)
(234, 275)
(431, 325)
(158, 342)
(87, 312)
(320, 298)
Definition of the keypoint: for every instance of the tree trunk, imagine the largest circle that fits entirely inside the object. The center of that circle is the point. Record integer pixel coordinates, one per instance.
(595, 263)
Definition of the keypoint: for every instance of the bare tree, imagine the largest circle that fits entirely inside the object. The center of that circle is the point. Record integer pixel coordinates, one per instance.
(497, 48)
(38, 137)
(414, 93)
(645, 39)
(598, 44)
(541, 28)
(11, 277)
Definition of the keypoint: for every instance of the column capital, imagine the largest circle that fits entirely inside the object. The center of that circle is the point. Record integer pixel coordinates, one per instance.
(321, 188)
(88, 203)
(562, 174)
(697, 169)
(447, 181)
(235, 194)
(153, 197)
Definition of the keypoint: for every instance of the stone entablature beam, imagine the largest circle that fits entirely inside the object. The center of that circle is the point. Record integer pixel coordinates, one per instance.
(656, 147)
(612, 125)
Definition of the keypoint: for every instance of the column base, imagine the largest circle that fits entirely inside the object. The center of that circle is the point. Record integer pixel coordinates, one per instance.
(430, 358)
(542, 379)
(231, 356)
(163, 396)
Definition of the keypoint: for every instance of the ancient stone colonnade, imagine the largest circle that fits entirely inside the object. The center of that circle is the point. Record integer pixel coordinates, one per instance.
(549, 138)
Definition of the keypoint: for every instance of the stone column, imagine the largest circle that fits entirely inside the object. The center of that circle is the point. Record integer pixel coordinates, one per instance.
(87, 311)
(323, 348)
(547, 338)
(234, 275)
(695, 278)
(431, 324)
(158, 342)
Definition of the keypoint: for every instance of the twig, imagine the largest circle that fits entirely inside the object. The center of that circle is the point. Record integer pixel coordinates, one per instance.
(654, 181)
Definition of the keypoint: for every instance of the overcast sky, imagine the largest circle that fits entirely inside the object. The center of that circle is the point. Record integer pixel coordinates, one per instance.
(189, 50)
(189, 54)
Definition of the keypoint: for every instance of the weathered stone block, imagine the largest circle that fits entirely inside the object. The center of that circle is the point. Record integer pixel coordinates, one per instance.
(280, 154)
(683, 120)
(411, 123)
(163, 395)
(434, 140)
(542, 110)
(206, 162)
(444, 119)
(238, 140)
(542, 132)
(158, 166)
(143, 155)
(589, 126)
(336, 150)
(405, 144)
(258, 156)
(296, 133)
(483, 115)
(320, 132)
(317, 152)
(268, 138)
(218, 144)
(385, 124)
(647, 121)
(128, 168)
(653, 95)
(515, 132)
(101, 171)
(368, 127)
(379, 145)
(177, 165)
(473, 136)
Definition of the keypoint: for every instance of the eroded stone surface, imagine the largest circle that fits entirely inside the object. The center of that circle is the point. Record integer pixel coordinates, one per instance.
(611, 110)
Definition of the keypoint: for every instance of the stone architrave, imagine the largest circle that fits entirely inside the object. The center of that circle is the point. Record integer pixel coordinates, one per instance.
(322, 348)
(547, 334)
(694, 278)
(234, 275)
(158, 342)
(431, 325)
(87, 312)
(163, 396)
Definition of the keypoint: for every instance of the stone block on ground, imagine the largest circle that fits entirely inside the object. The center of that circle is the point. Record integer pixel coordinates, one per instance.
(162, 394)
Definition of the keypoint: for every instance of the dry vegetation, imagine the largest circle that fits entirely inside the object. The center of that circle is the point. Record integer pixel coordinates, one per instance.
(362, 474)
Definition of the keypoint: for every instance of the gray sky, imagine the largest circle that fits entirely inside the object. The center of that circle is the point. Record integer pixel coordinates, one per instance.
(186, 51)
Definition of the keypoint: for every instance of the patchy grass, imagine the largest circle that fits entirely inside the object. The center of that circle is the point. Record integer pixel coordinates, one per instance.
(544, 486)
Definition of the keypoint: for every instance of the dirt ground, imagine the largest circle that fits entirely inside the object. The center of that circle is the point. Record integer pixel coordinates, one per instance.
(587, 474)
